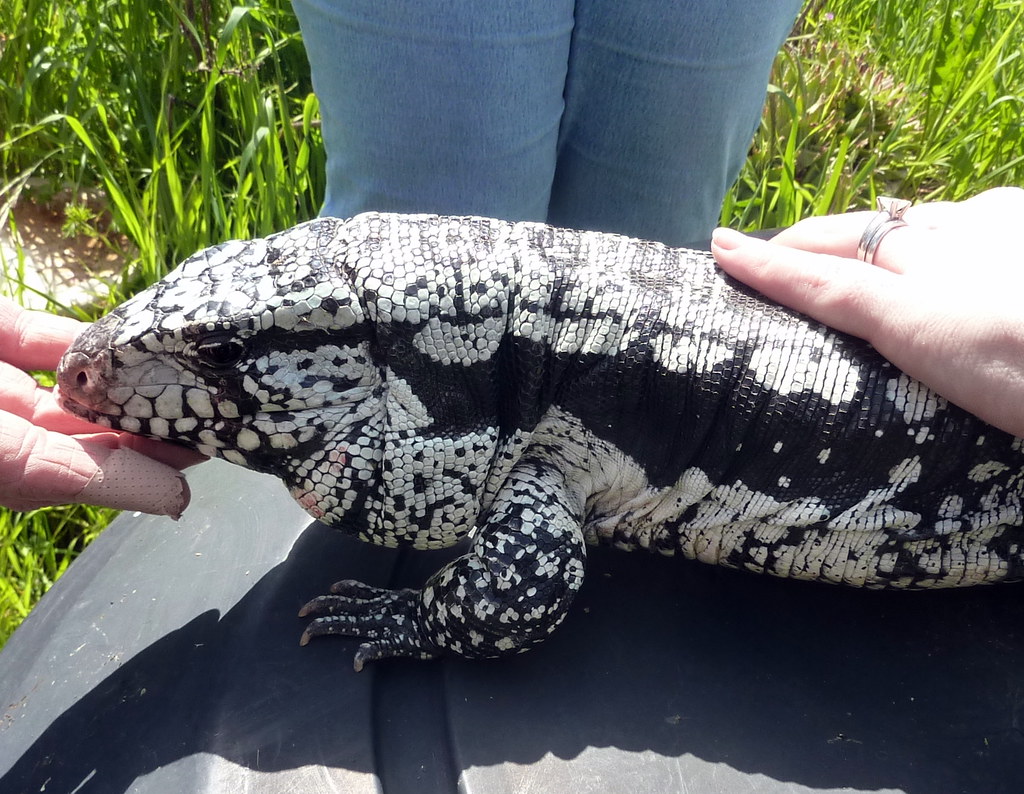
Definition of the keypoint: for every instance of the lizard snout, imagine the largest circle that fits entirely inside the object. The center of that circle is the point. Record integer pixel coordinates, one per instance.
(81, 381)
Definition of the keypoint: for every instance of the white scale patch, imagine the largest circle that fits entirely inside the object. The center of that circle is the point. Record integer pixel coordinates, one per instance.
(168, 403)
(465, 344)
(874, 512)
(405, 410)
(986, 471)
(138, 406)
(914, 400)
(621, 503)
(247, 440)
(784, 364)
(199, 403)
(690, 354)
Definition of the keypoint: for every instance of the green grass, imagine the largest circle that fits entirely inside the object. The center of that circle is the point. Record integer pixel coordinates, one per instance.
(918, 99)
(196, 120)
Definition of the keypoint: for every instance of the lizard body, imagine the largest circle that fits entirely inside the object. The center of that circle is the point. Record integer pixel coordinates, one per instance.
(418, 379)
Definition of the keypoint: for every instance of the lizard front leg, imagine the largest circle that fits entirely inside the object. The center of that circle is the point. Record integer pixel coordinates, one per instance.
(507, 593)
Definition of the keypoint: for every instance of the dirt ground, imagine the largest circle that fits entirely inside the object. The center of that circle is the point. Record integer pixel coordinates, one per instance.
(72, 270)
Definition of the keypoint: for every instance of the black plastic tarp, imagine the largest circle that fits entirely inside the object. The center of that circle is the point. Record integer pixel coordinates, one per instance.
(167, 660)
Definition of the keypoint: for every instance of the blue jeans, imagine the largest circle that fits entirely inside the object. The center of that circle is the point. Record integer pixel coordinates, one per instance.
(632, 117)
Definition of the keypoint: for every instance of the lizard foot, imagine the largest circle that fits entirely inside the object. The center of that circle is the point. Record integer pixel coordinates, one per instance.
(389, 619)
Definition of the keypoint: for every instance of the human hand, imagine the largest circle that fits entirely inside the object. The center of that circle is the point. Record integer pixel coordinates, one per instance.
(49, 457)
(942, 300)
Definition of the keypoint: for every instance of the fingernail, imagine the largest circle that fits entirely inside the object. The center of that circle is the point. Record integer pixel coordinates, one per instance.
(127, 480)
(727, 239)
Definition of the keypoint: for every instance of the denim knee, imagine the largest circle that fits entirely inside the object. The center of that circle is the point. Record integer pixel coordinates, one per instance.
(592, 114)
(448, 106)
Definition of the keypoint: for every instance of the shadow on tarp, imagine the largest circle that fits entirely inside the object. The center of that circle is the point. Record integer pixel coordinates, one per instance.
(667, 675)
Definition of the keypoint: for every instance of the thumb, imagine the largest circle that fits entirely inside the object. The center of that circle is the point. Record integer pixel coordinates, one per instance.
(40, 468)
(128, 480)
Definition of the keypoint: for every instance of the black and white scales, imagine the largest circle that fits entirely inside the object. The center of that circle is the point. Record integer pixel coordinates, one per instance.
(418, 379)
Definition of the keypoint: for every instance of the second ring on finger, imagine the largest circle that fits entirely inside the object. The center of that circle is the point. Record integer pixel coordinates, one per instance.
(889, 216)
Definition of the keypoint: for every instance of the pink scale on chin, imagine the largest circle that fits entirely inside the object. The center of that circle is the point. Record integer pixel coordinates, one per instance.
(338, 459)
(308, 501)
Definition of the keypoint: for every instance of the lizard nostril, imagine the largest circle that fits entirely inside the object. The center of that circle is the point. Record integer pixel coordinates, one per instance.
(76, 375)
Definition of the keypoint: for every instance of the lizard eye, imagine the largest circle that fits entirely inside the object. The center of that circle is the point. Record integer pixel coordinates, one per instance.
(219, 351)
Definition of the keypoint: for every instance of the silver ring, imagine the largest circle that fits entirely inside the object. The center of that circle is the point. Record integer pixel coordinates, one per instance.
(889, 217)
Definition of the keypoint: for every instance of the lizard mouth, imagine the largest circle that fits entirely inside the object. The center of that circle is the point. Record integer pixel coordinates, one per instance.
(90, 414)
(102, 421)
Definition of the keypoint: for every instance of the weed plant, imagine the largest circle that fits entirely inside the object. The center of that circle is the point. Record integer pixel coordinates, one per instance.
(195, 118)
(923, 100)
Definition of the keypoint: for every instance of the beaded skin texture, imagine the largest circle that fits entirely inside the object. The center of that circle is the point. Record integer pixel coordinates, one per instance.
(418, 379)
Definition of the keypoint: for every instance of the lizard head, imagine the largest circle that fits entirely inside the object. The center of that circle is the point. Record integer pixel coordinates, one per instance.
(245, 351)
(356, 360)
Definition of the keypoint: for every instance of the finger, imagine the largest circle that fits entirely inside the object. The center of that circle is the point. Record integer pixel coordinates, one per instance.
(38, 468)
(998, 208)
(1001, 207)
(837, 235)
(933, 215)
(22, 396)
(167, 453)
(34, 340)
(843, 293)
(840, 235)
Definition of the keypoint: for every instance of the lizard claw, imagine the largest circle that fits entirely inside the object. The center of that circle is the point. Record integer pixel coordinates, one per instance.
(389, 619)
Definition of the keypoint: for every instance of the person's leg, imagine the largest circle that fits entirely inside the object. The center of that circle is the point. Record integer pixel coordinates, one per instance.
(448, 106)
(662, 99)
